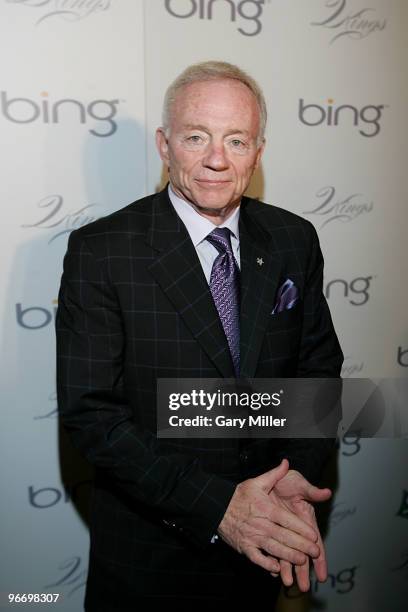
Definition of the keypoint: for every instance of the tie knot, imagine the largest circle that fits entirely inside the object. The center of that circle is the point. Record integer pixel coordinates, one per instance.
(221, 239)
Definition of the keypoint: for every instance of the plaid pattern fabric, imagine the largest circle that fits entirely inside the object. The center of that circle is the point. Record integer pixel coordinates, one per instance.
(134, 305)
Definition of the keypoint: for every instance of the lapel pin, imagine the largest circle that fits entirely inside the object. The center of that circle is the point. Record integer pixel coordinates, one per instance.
(260, 261)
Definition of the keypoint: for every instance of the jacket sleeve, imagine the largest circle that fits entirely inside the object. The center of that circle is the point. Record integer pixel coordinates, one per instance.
(320, 356)
(95, 412)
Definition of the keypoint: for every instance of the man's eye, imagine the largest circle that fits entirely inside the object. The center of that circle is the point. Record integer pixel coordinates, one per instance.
(194, 138)
(237, 143)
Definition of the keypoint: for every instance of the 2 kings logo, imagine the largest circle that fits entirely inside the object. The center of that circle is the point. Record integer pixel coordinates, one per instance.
(72, 576)
(25, 110)
(333, 207)
(67, 10)
(346, 20)
(247, 12)
(55, 216)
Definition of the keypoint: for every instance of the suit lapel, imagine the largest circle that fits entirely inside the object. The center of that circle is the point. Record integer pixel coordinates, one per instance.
(178, 271)
(260, 274)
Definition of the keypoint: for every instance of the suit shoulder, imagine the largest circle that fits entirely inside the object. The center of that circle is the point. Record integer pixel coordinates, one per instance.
(132, 219)
(272, 218)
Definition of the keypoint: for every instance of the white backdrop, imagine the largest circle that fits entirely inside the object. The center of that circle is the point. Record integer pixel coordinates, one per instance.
(81, 87)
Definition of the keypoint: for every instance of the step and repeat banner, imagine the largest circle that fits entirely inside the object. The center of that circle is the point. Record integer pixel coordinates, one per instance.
(81, 88)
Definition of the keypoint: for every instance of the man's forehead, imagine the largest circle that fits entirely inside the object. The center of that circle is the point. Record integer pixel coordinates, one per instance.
(208, 87)
(221, 100)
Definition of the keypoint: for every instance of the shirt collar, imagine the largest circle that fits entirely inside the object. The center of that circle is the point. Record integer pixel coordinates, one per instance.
(198, 226)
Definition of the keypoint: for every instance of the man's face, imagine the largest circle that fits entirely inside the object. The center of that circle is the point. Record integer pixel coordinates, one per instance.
(211, 150)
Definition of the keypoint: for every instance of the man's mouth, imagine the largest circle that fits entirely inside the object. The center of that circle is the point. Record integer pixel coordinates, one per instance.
(212, 182)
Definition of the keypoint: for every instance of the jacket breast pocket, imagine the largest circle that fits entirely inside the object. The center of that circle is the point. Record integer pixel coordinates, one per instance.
(283, 332)
(288, 317)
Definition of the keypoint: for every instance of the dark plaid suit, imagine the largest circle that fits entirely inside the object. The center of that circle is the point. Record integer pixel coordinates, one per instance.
(134, 305)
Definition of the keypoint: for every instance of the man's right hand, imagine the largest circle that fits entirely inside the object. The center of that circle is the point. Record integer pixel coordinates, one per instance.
(262, 528)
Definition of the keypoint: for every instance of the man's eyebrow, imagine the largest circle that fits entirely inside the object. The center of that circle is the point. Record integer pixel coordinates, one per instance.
(203, 128)
(195, 126)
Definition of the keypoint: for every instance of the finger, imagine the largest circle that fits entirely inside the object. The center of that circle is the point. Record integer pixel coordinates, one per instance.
(302, 576)
(320, 562)
(289, 520)
(281, 551)
(265, 561)
(286, 573)
(293, 540)
(268, 480)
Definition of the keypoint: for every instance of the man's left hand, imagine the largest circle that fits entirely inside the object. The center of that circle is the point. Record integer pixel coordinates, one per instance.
(298, 494)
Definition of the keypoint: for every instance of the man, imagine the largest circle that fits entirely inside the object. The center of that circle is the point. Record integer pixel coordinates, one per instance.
(142, 298)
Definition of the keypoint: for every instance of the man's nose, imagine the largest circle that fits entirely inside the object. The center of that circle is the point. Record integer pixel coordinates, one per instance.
(215, 157)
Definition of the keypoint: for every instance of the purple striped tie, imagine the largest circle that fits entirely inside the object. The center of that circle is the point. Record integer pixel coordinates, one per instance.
(224, 286)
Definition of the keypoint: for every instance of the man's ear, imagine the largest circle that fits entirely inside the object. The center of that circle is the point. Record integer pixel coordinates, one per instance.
(259, 154)
(162, 145)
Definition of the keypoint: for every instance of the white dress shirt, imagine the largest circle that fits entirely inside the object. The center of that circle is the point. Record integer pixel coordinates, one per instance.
(199, 227)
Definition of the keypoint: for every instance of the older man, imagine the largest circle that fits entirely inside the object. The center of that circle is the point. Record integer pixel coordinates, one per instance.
(141, 299)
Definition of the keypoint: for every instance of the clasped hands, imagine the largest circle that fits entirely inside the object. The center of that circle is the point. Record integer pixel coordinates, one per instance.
(271, 520)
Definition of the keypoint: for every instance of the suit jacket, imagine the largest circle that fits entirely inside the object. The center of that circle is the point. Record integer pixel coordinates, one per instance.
(134, 305)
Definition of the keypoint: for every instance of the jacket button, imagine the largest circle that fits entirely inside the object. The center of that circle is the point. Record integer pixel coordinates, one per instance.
(243, 457)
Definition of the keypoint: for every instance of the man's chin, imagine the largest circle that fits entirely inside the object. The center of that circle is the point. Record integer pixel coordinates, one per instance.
(215, 209)
(209, 203)
(213, 200)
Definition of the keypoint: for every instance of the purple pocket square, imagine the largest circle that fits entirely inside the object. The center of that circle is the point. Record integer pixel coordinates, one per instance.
(288, 295)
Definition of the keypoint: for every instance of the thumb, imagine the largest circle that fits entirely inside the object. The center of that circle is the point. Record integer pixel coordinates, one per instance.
(306, 490)
(314, 494)
(269, 479)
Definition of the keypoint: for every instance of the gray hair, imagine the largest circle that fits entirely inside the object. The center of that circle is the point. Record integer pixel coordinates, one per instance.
(211, 71)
